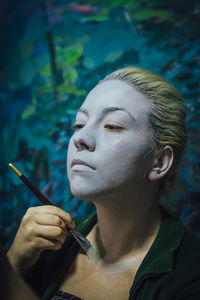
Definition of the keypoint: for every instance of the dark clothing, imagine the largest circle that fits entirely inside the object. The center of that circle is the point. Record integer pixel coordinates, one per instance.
(170, 270)
(60, 295)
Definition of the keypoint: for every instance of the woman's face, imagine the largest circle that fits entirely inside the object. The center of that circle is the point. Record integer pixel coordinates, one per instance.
(112, 136)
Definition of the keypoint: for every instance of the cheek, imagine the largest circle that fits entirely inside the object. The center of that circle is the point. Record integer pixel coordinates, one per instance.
(125, 157)
(131, 148)
(69, 153)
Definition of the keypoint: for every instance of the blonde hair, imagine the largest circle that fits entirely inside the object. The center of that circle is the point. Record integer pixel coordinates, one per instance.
(167, 115)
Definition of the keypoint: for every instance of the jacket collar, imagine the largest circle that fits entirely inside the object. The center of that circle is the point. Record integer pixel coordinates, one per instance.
(160, 257)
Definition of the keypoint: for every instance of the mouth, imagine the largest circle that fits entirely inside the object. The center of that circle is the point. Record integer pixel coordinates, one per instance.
(81, 162)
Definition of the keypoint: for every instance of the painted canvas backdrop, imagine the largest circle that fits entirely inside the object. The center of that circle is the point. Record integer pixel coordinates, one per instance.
(52, 53)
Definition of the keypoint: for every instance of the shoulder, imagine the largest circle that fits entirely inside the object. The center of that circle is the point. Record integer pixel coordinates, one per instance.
(183, 280)
(171, 268)
(188, 251)
(180, 241)
(183, 241)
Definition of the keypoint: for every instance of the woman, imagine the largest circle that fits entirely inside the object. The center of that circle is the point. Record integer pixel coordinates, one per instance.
(128, 140)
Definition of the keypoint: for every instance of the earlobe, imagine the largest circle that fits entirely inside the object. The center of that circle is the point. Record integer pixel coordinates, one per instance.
(162, 164)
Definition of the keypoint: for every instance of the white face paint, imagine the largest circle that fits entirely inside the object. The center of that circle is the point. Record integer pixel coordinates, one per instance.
(113, 136)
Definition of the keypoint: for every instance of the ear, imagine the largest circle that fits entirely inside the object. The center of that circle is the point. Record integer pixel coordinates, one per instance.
(162, 164)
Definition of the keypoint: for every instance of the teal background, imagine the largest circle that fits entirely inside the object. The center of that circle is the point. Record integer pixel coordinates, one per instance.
(52, 53)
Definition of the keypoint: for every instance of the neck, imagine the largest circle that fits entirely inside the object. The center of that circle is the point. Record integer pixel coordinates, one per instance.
(126, 226)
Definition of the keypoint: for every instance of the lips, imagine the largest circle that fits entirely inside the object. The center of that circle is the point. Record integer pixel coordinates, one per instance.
(81, 162)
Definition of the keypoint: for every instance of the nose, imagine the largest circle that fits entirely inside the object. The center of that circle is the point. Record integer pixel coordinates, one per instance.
(84, 141)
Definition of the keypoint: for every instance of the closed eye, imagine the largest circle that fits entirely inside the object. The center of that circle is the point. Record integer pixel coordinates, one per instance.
(78, 126)
(107, 126)
(113, 127)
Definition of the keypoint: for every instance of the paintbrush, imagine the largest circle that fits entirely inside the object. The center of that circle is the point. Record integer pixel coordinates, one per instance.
(83, 242)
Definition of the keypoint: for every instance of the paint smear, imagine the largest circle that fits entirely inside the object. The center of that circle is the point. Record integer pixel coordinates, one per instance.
(94, 256)
(111, 269)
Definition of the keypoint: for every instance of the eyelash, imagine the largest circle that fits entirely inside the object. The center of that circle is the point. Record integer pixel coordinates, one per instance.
(78, 126)
(108, 126)
(113, 127)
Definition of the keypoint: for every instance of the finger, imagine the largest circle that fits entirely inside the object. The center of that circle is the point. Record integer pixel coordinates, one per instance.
(54, 210)
(50, 232)
(47, 244)
(52, 220)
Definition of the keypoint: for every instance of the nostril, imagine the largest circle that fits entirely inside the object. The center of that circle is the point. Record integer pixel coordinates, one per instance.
(84, 143)
(91, 148)
(81, 145)
(84, 146)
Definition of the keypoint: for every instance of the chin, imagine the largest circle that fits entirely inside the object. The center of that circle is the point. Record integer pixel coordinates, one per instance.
(90, 189)
(80, 195)
(92, 195)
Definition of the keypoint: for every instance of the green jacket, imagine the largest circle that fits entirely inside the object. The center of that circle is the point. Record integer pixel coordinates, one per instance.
(170, 270)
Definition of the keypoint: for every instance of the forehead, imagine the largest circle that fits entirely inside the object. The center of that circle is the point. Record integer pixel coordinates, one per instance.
(117, 93)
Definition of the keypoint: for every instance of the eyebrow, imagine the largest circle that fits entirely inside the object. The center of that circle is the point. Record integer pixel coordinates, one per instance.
(108, 110)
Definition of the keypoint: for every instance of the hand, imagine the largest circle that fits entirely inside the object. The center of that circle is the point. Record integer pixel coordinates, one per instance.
(42, 227)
